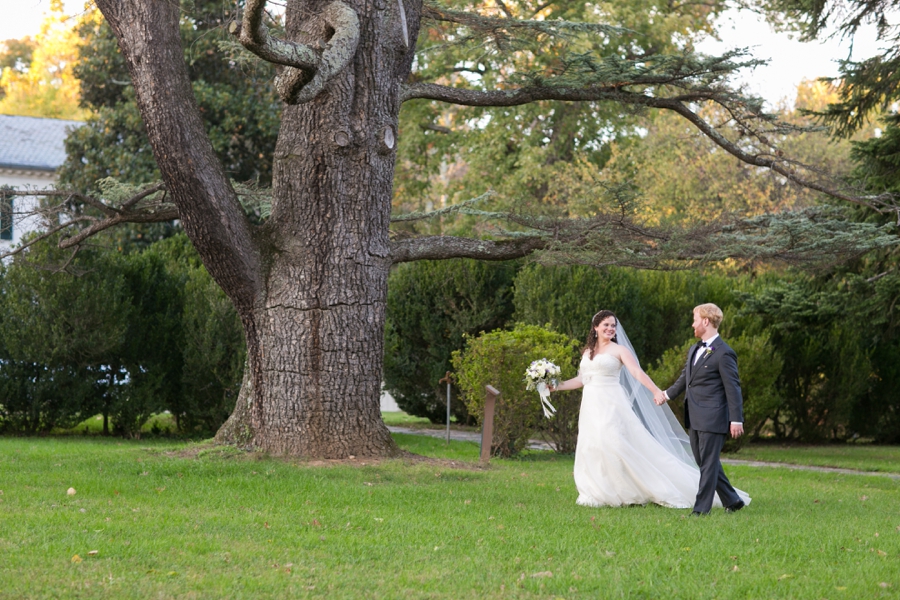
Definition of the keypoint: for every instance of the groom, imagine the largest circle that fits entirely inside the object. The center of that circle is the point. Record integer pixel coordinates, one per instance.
(713, 407)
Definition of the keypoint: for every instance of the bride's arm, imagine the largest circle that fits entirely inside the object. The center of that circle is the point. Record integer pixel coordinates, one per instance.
(635, 369)
(570, 384)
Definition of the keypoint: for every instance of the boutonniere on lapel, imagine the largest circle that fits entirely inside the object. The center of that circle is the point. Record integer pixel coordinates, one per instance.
(709, 350)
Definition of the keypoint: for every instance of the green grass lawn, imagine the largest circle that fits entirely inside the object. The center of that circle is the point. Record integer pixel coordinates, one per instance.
(166, 519)
(847, 456)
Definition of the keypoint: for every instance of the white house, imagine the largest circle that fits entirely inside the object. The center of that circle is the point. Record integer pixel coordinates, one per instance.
(31, 150)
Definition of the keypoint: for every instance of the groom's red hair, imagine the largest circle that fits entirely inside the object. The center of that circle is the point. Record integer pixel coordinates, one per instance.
(711, 312)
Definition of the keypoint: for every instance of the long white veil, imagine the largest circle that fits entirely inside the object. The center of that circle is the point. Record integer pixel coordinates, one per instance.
(660, 421)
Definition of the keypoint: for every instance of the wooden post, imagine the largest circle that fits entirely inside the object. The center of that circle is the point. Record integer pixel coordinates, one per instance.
(446, 380)
(487, 424)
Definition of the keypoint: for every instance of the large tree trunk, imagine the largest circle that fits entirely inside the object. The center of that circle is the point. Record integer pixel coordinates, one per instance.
(311, 285)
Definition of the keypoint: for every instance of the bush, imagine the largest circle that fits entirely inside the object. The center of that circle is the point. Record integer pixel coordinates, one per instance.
(35, 398)
(214, 354)
(431, 306)
(126, 335)
(500, 358)
(759, 366)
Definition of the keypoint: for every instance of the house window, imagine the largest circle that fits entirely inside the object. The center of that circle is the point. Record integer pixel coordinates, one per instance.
(6, 217)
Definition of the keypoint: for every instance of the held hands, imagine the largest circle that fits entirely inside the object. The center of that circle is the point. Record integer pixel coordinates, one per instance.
(660, 397)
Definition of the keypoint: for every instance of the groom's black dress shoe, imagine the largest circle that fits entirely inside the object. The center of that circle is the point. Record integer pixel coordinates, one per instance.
(735, 507)
(699, 514)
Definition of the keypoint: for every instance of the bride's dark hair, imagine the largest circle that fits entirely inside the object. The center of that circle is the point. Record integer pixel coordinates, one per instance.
(592, 334)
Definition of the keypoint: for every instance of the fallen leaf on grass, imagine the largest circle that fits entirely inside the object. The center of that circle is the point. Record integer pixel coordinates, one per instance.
(785, 576)
(543, 574)
(93, 553)
(76, 559)
(882, 553)
(863, 498)
(70, 491)
(316, 523)
(841, 588)
(161, 489)
(735, 569)
(884, 584)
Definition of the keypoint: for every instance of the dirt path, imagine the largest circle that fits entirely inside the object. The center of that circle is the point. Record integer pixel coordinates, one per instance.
(474, 436)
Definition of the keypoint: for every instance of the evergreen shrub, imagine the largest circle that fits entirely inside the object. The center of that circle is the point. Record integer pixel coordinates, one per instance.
(500, 358)
(431, 306)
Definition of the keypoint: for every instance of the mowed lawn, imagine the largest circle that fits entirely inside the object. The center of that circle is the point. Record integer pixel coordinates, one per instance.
(175, 520)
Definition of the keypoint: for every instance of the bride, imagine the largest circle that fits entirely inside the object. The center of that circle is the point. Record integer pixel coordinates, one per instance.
(629, 450)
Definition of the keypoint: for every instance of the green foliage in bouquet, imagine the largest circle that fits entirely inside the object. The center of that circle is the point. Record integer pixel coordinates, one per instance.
(500, 358)
(759, 366)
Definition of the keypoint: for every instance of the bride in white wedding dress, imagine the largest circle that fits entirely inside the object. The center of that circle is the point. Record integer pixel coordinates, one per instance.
(629, 450)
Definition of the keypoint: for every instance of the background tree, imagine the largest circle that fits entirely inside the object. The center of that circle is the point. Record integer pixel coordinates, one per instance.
(37, 77)
(234, 95)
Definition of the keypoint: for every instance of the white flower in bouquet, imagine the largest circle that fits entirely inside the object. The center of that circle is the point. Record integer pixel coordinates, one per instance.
(538, 376)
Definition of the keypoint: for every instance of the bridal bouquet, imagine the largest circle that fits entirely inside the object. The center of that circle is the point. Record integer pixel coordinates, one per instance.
(538, 376)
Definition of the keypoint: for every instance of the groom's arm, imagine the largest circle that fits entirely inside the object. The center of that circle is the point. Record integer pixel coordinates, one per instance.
(678, 387)
(728, 370)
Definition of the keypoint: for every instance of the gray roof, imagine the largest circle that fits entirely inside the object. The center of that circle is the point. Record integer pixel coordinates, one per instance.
(33, 143)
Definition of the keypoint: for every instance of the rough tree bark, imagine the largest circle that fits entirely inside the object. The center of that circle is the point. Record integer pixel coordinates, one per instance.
(310, 286)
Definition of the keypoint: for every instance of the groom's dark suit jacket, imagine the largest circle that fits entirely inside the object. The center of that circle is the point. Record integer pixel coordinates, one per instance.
(712, 389)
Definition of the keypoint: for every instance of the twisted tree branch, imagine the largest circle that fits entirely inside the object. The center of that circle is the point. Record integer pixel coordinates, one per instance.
(310, 66)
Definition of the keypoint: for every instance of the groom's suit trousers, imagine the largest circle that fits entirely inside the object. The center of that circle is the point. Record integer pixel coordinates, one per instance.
(707, 446)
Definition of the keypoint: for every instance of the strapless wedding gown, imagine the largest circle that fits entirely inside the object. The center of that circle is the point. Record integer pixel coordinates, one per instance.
(617, 461)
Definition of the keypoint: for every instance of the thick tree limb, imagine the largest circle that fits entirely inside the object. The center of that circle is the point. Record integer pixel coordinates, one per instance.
(254, 36)
(310, 66)
(483, 23)
(441, 247)
(811, 237)
(679, 104)
(149, 37)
